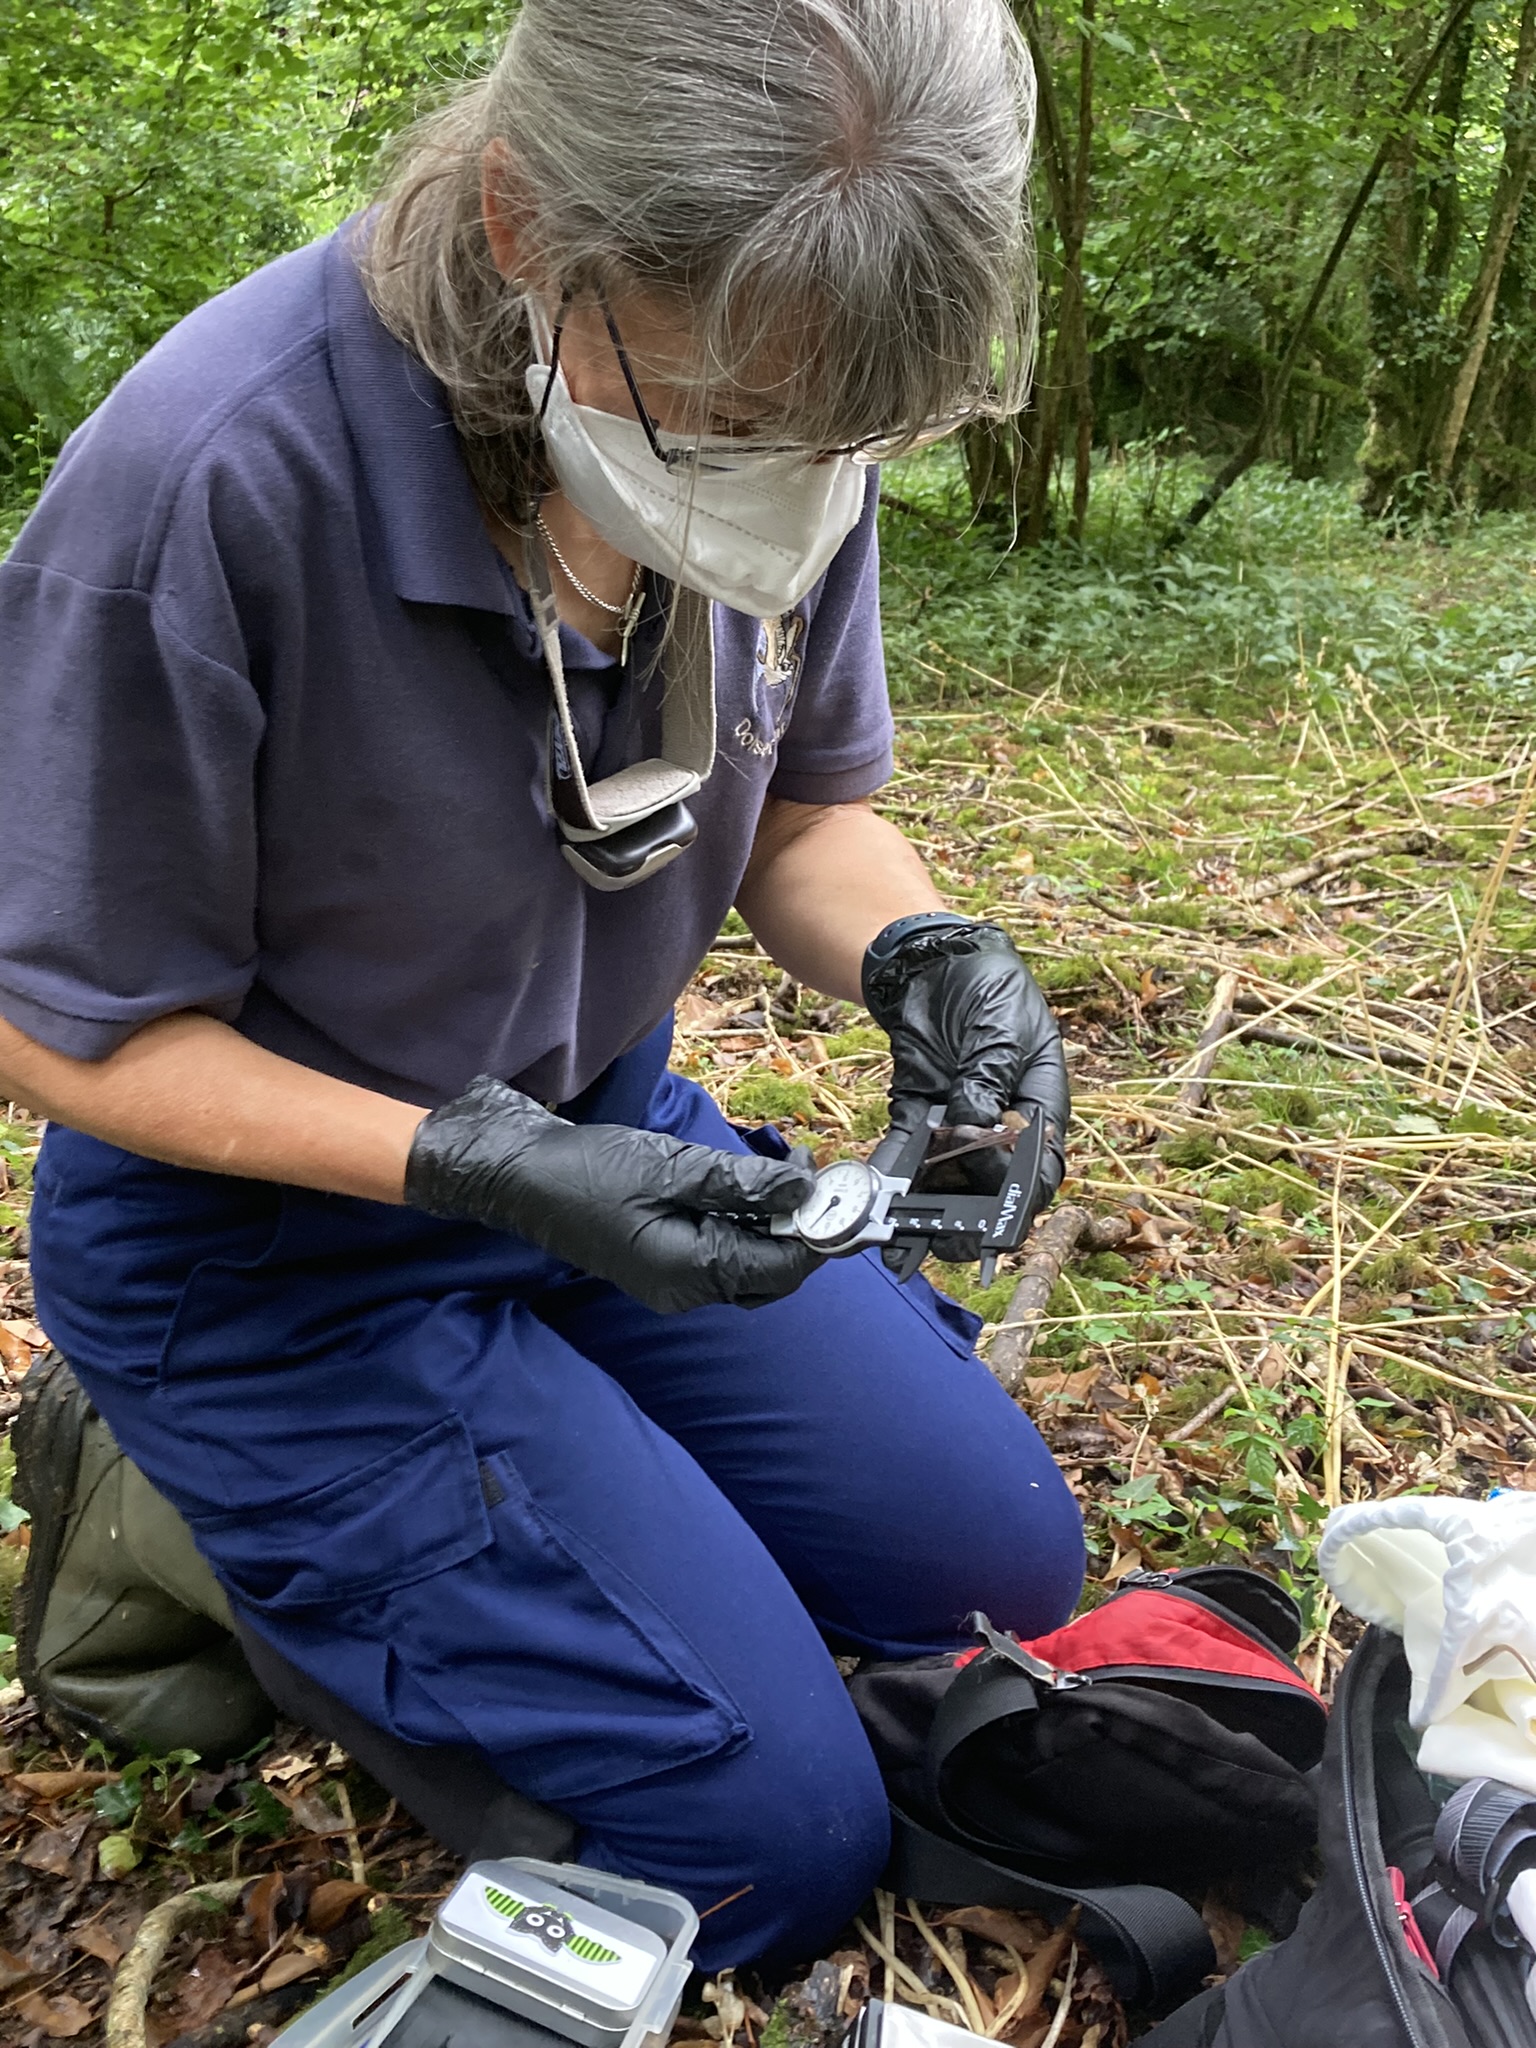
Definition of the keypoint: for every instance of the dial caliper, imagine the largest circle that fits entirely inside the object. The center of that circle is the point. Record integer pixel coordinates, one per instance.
(856, 1202)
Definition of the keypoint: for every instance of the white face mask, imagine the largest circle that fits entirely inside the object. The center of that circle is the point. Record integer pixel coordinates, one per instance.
(752, 531)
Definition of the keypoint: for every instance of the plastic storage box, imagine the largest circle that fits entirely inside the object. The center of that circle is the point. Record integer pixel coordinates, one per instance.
(521, 1955)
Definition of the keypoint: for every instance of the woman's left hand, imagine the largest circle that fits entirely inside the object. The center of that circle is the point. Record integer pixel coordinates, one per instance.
(970, 1028)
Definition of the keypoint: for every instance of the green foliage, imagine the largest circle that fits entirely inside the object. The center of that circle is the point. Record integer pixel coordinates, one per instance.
(1253, 1189)
(155, 153)
(861, 1038)
(262, 1814)
(1187, 917)
(1394, 1272)
(1190, 1150)
(1474, 1119)
(1078, 970)
(390, 1929)
(768, 1098)
(1259, 1260)
(871, 1117)
(1105, 1266)
(1283, 597)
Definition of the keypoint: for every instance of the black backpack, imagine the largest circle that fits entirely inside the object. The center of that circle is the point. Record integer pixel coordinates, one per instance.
(1160, 1745)
(1404, 1943)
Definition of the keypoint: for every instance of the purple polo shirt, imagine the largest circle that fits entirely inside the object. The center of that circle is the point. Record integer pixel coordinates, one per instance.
(278, 716)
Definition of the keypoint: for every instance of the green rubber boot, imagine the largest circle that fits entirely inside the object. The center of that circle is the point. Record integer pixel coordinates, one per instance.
(122, 1631)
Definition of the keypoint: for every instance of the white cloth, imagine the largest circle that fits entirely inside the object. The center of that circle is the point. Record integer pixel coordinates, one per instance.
(1456, 1579)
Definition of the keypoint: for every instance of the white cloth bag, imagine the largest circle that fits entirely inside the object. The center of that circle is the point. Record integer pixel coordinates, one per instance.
(1456, 1579)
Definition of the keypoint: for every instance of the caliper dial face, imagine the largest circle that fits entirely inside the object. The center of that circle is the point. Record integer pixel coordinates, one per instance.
(840, 1204)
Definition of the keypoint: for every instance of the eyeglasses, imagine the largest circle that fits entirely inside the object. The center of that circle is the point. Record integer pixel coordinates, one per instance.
(719, 453)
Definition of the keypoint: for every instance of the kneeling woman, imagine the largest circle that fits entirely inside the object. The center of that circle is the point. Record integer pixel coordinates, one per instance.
(408, 666)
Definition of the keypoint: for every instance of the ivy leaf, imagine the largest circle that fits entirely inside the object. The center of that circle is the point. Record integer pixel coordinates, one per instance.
(118, 1803)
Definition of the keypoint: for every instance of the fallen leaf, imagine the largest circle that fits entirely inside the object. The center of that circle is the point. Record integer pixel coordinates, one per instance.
(13, 1970)
(1046, 1961)
(1004, 1988)
(60, 1784)
(1128, 1561)
(1273, 1367)
(60, 2018)
(331, 1902)
(29, 1333)
(283, 1769)
(1021, 1932)
(205, 1989)
(697, 1013)
(300, 1962)
(261, 1904)
(15, 1355)
(1070, 1386)
(52, 1850)
(1226, 1929)
(96, 1941)
(312, 1812)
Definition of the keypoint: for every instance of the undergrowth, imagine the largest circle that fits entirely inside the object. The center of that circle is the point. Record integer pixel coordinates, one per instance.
(1292, 763)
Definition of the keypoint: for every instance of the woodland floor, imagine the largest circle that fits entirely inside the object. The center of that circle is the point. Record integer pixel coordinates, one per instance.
(1297, 759)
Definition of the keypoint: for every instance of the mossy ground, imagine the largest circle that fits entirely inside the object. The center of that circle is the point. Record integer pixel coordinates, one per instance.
(1117, 755)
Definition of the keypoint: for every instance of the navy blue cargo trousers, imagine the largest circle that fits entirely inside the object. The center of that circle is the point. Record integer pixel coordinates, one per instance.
(486, 1499)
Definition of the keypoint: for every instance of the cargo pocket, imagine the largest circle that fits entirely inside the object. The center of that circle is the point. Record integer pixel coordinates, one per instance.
(409, 1514)
(550, 1656)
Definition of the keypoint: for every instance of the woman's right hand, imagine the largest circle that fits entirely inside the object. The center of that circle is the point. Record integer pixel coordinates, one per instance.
(668, 1222)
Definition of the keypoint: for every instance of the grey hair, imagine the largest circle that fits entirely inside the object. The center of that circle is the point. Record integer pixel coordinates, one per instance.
(852, 173)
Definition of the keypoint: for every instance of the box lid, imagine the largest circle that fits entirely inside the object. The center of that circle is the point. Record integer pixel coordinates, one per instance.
(537, 1938)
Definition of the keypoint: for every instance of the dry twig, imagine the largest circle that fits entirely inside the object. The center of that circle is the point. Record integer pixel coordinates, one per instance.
(1334, 862)
(1218, 1023)
(135, 1973)
(1053, 1243)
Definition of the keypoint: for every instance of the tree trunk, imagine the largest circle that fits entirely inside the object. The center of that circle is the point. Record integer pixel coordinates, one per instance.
(1249, 453)
(1406, 289)
(1082, 383)
(996, 457)
(1497, 466)
(1065, 386)
(1503, 218)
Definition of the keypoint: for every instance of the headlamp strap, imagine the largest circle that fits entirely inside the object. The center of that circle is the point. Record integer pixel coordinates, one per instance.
(594, 810)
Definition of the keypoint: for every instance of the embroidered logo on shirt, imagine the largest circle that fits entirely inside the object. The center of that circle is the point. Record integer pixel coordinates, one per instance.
(780, 656)
(556, 1930)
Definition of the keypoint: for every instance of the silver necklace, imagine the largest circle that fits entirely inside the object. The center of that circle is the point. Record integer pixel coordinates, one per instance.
(627, 613)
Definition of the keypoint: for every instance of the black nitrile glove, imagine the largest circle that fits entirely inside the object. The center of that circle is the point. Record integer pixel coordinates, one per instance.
(653, 1215)
(969, 1028)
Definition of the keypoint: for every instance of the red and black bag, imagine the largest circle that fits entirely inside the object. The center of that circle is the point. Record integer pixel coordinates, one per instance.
(1162, 1745)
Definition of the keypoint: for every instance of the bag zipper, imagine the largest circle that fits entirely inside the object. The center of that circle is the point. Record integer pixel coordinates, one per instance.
(1167, 1582)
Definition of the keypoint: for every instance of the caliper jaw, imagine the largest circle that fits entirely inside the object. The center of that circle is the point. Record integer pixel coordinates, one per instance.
(893, 1214)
